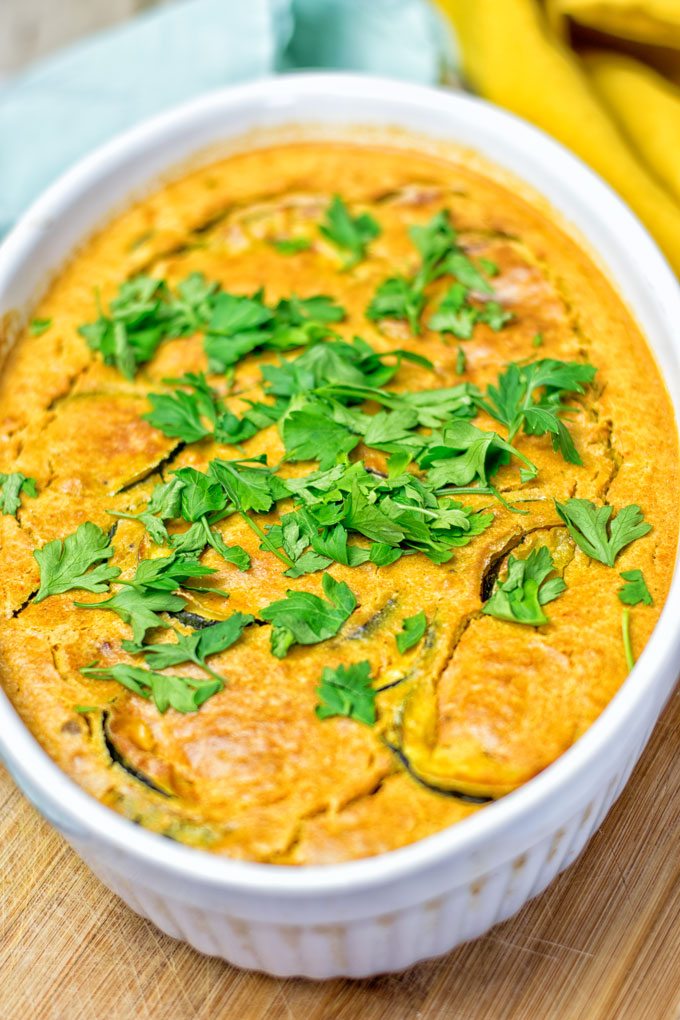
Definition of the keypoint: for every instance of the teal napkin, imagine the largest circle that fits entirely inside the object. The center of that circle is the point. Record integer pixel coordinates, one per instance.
(64, 106)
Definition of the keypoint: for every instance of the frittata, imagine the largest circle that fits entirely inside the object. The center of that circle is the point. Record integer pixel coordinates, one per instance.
(338, 492)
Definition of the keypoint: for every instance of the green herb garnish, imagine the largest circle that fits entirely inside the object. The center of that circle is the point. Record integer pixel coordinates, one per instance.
(592, 531)
(413, 628)
(526, 589)
(530, 397)
(39, 326)
(240, 325)
(152, 591)
(635, 590)
(146, 312)
(66, 564)
(347, 691)
(350, 234)
(183, 693)
(194, 647)
(305, 619)
(402, 297)
(11, 487)
(292, 245)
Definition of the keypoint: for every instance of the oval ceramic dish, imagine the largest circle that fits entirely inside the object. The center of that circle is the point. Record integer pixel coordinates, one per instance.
(386, 912)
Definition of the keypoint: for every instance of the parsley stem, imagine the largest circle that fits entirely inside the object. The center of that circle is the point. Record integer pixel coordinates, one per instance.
(504, 502)
(209, 671)
(627, 642)
(266, 541)
(482, 490)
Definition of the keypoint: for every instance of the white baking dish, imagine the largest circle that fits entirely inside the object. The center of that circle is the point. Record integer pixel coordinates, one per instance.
(383, 913)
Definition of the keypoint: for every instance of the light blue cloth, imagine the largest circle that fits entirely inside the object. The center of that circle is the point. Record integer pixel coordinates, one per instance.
(64, 106)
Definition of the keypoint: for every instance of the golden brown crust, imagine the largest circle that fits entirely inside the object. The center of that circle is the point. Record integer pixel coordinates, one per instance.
(254, 774)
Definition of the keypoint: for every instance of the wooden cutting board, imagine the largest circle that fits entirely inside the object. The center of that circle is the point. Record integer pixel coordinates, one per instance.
(603, 943)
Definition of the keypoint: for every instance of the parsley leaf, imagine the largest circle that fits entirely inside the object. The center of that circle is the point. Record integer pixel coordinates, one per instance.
(151, 591)
(183, 693)
(463, 453)
(397, 513)
(292, 245)
(350, 234)
(165, 503)
(251, 488)
(200, 494)
(413, 628)
(347, 691)
(140, 607)
(526, 588)
(514, 403)
(166, 573)
(457, 316)
(398, 298)
(143, 314)
(290, 536)
(401, 297)
(310, 432)
(194, 647)
(635, 589)
(589, 527)
(11, 487)
(305, 619)
(240, 325)
(39, 326)
(183, 415)
(65, 564)
(592, 531)
(248, 487)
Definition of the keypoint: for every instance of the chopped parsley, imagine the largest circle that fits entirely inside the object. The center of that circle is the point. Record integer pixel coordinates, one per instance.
(412, 630)
(76, 562)
(634, 591)
(183, 693)
(240, 325)
(456, 315)
(530, 397)
(461, 361)
(595, 534)
(328, 401)
(194, 647)
(350, 234)
(39, 326)
(305, 619)
(151, 591)
(627, 639)
(347, 691)
(404, 297)
(292, 245)
(143, 314)
(11, 487)
(397, 515)
(526, 589)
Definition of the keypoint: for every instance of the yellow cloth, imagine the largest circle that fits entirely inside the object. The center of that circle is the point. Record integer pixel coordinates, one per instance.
(646, 108)
(512, 55)
(649, 21)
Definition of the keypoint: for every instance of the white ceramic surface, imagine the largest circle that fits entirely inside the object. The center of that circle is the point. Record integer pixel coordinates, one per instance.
(382, 913)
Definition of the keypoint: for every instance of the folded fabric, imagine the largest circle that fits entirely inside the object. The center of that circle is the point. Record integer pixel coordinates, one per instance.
(66, 105)
(649, 21)
(511, 54)
(645, 106)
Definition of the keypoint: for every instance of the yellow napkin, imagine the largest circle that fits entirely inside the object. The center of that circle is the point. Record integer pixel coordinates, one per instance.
(612, 110)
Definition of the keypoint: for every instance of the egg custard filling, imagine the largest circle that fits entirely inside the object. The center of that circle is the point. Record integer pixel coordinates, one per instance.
(338, 492)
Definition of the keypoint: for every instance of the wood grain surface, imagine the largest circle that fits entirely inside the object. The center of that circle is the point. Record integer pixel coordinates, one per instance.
(603, 943)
